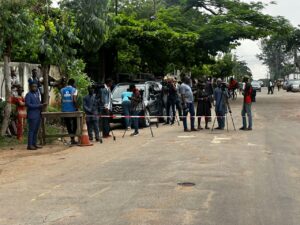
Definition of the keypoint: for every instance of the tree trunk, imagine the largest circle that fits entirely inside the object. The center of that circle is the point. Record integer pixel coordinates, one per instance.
(45, 73)
(7, 110)
(102, 64)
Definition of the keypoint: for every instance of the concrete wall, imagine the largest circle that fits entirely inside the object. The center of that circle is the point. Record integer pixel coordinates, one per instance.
(23, 71)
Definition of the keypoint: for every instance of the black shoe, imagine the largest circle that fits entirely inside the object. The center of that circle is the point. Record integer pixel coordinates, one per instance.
(37, 146)
(134, 134)
(97, 139)
(249, 129)
(219, 128)
(74, 143)
(91, 139)
(32, 148)
(187, 130)
(242, 128)
(193, 130)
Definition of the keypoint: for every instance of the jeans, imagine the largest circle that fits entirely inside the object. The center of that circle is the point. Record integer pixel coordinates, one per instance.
(126, 111)
(190, 108)
(171, 104)
(33, 128)
(71, 124)
(221, 119)
(93, 126)
(179, 108)
(247, 110)
(135, 121)
(105, 123)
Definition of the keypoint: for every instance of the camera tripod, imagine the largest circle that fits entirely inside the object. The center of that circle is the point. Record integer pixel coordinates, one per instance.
(147, 118)
(101, 130)
(227, 105)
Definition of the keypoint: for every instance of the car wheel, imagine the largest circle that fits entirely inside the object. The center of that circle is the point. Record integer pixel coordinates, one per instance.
(145, 122)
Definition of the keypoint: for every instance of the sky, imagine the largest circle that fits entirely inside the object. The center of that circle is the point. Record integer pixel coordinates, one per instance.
(249, 49)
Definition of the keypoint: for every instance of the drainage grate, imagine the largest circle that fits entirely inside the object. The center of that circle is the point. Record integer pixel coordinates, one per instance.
(186, 184)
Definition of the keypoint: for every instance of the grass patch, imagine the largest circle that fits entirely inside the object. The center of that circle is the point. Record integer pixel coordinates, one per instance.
(12, 141)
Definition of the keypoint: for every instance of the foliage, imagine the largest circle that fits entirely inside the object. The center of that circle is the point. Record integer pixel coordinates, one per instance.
(91, 19)
(279, 53)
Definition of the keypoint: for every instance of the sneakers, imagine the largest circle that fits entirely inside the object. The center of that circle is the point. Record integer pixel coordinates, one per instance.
(134, 134)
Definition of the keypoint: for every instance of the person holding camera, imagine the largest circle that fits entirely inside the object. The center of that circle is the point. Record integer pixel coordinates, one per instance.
(187, 96)
(220, 97)
(171, 100)
(126, 105)
(136, 108)
(204, 105)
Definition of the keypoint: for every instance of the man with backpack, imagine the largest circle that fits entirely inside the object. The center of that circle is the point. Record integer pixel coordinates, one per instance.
(248, 99)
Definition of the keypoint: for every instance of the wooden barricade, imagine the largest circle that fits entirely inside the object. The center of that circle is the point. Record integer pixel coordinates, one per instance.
(50, 115)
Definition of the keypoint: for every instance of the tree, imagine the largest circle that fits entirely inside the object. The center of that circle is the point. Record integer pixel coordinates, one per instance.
(15, 26)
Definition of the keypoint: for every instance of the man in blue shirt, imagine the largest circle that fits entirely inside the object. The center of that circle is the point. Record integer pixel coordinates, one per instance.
(91, 108)
(34, 109)
(69, 104)
(188, 104)
(126, 105)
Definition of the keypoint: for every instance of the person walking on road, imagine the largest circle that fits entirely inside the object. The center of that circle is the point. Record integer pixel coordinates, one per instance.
(126, 105)
(69, 104)
(270, 87)
(220, 96)
(106, 107)
(188, 104)
(91, 108)
(34, 109)
(247, 107)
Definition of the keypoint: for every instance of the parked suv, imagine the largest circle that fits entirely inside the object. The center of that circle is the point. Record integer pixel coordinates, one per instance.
(151, 99)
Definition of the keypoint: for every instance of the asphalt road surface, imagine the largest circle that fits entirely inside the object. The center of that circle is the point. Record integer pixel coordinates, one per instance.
(241, 178)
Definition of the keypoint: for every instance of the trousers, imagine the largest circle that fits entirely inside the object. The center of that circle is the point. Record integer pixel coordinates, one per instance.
(93, 127)
(71, 124)
(33, 129)
(190, 108)
(247, 110)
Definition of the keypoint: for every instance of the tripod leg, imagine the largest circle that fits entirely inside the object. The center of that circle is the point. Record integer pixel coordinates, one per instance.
(226, 118)
(150, 127)
(124, 133)
(232, 122)
(213, 126)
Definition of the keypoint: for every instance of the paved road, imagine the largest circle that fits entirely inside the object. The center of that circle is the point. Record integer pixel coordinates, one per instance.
(242, 178)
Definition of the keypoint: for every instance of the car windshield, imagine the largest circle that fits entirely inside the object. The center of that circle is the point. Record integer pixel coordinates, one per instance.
(122, 88)
(294, 82)
(255, 83)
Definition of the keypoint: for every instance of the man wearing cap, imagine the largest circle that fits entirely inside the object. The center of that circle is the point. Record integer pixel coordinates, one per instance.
(220, 97)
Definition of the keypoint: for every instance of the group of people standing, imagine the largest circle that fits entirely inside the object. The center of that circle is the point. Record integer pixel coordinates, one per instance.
(207, 95)
(97, 105)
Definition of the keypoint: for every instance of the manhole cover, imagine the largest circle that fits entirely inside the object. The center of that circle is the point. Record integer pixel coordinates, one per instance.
(187, 184)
